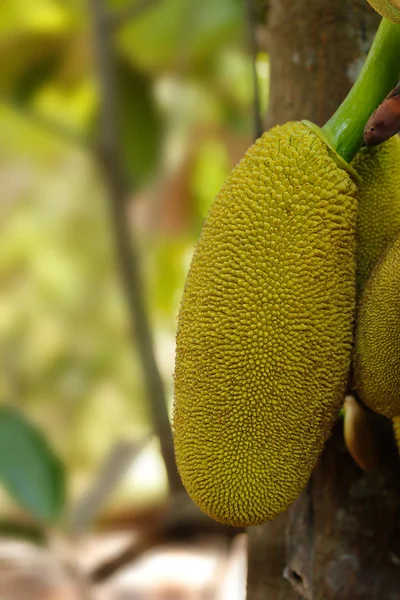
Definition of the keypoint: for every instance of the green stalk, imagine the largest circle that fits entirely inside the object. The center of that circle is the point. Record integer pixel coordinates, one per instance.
(379, 75)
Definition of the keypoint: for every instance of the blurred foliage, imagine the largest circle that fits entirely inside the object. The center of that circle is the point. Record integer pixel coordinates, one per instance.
(181, 34)
(184, 97)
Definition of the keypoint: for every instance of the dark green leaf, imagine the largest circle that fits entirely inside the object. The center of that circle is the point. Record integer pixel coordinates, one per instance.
(140, 124)
(31, 80)
(28, 62)
(29, 469)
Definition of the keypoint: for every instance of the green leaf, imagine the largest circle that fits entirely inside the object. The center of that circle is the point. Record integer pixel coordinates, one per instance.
(178, 33)
(28, 62)
(29, 469)
(18, 16)
(140, 124)
(31, 80)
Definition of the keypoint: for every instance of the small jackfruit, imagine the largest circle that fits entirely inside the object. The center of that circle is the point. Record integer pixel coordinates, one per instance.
(377, 349)
(265, 328)
(378, 218)
(389, 9)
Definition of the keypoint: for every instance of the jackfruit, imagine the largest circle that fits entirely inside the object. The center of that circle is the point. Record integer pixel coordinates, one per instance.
(377, 349)
(389, 9)
(265, 328)
(378, 218)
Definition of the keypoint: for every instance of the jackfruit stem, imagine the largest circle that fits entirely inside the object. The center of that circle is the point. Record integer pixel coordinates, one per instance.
(380, 73)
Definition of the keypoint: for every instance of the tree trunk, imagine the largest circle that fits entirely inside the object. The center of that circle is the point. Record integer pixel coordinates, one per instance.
(316, 49)
(341, 539)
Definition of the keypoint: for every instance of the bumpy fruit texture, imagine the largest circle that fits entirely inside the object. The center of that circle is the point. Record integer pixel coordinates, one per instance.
(377, 355)
(265, 328)
(390, 9)
(378, 204)
(378, 219)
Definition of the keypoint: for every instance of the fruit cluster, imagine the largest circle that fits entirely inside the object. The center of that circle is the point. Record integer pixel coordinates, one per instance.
(293, 287)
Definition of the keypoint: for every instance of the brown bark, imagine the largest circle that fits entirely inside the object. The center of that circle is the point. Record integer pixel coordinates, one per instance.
(356, 522)
(315, 48)
(266, 562)
(341, 539)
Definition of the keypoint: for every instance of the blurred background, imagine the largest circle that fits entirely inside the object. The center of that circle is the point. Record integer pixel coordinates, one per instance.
(119, 122)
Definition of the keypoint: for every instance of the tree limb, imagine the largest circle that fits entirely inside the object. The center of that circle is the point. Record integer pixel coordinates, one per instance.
(125, 243)
(179, 519)
(114, 467)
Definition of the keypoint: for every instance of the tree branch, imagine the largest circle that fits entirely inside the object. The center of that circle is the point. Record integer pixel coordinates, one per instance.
(114, 467)
(130, 13)
(125, 244)
(179, 520)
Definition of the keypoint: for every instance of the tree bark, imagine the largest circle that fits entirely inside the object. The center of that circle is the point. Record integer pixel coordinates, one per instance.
(316, 48)
(356, 522)
(341, 539)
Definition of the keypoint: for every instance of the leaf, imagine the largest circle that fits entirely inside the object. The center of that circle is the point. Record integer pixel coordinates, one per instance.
(177, 33)
(31, 80)
(140, 124)
(28, 62)
(29, 469)
(35, 38)
(17, 16)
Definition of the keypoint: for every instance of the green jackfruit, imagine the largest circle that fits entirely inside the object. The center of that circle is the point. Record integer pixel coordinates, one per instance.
(378, 218)
(377, 350)
(390, 9)
(265, 328)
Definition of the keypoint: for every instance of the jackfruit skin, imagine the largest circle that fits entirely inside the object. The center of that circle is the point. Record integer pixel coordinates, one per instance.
(387, 9)
(378, 219)
(378, 204)
(265, 329)
(377, 347)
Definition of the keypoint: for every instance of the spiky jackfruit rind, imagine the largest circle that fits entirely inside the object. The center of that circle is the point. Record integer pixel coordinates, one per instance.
(332, 152)
(387, 9)
(265, 329)
(378, 219)
(377, 343)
